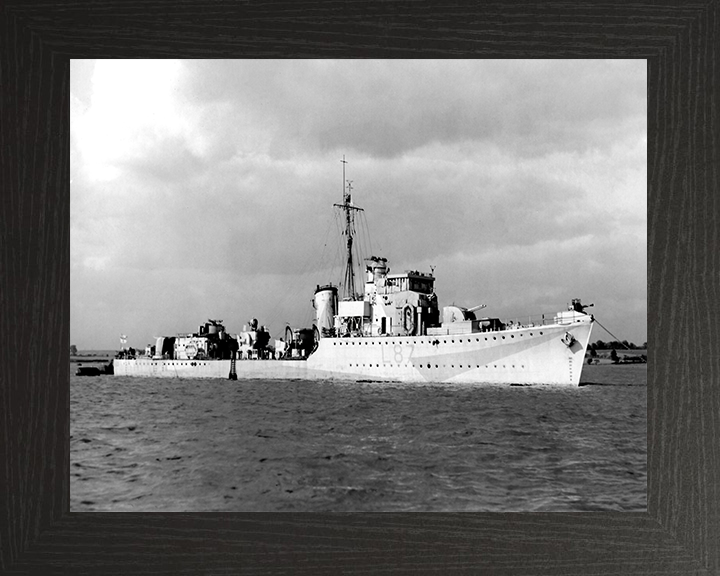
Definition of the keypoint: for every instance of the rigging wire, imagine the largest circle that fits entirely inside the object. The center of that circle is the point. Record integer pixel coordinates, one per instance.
(611, 334)
(368, 236)
(324, 248)
(304, 275)
(358, 271)
(363, 237)
(339, 251)
(361, 246)
(357, 248)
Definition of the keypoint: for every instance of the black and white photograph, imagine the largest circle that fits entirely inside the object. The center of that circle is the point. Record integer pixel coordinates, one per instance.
(358, 285)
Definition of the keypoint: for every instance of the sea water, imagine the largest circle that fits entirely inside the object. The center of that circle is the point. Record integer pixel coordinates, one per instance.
(150, 444)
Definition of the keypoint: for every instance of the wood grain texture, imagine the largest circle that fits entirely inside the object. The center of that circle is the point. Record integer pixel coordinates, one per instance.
(681, 531)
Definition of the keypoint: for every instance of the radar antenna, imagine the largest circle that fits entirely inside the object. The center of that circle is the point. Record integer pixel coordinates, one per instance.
(349, 210)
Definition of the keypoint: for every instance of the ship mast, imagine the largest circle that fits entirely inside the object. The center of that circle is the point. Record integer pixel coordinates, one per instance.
(349, 210)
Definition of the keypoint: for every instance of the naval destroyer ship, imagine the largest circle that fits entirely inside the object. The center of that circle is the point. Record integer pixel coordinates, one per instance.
(394, 331)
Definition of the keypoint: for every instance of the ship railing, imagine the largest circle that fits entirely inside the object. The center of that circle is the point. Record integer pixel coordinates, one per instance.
(530, 321)
(535, 320)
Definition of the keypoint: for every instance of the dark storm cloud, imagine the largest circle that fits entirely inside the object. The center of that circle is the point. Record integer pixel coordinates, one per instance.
(387, 108)
(429, 210)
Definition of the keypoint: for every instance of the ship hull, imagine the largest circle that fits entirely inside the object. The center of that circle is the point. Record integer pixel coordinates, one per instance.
(532, 355)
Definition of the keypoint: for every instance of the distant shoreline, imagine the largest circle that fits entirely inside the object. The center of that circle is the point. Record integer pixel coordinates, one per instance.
(88, 357)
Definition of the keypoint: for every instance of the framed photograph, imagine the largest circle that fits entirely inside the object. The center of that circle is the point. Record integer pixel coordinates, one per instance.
(43, 531)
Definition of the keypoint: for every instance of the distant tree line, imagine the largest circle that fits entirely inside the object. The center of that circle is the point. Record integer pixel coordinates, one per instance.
(615, 345)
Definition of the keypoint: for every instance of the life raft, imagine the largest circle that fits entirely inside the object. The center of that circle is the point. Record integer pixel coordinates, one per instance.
(408, 320)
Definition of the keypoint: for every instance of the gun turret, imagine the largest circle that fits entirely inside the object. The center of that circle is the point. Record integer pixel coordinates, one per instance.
(578, 306)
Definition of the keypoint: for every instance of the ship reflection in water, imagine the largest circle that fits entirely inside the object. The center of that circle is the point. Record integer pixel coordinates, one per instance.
(152, 444)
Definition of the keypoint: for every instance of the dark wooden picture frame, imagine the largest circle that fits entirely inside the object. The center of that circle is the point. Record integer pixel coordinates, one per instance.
(681, 530)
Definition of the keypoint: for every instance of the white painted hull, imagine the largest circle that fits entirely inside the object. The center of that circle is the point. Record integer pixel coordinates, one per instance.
(535, 355)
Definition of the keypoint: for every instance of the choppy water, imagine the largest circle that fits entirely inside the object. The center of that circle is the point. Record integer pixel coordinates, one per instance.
(146, 444)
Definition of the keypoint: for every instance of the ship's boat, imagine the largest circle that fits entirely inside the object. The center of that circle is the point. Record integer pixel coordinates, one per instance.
(394, 331)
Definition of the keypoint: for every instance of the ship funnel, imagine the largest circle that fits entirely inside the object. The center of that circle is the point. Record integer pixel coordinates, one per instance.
(325, 302)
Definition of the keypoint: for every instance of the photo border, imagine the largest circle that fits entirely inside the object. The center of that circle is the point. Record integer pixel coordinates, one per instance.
(680, 531)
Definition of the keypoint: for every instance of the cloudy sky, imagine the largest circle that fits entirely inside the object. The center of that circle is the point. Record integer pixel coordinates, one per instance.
(204, 189)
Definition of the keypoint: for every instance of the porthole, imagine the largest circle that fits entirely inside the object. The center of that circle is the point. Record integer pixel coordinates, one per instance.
(503, 337)
(429, 366)
(494, 337)
(436, 365)
(512, 336)
(541, 333)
